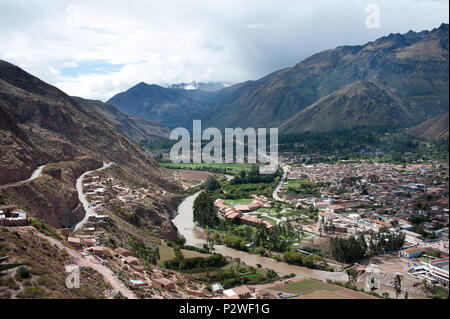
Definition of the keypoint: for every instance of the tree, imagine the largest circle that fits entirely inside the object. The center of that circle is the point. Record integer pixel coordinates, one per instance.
(212, 184)
(352, 275)
(204, 211)
(398, 285)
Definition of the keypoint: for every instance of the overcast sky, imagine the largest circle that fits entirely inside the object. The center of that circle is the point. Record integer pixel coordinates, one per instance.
(95, 48)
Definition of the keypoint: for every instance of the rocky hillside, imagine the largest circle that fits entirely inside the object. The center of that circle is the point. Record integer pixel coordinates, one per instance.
(135, 128)
(435, 128)
(40, 125)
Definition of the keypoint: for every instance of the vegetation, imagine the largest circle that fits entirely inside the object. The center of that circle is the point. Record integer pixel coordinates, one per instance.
(353, 249)
(388, 144)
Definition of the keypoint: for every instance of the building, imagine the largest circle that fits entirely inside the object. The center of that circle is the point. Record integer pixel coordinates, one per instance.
(123, 252)
(164, 283)
(11, 216)
(411, 253)
(75, 242)
(217, 288)
(439, 270)
(132, 261)
(242, 292)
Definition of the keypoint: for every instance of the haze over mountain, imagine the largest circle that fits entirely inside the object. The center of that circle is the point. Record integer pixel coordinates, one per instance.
(201, 86)
(397, 79)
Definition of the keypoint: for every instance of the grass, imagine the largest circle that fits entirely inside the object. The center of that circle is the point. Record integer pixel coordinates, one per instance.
(193, 254)
(270, 220)
(165, 252)
(214, 167)
(233, 202)
(305, 287)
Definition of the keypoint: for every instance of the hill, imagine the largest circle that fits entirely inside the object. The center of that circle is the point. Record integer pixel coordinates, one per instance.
(135, 128)
(42, 125)
(435, 128)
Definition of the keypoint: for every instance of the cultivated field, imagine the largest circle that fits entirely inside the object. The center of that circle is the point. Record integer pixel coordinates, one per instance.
(315, 289)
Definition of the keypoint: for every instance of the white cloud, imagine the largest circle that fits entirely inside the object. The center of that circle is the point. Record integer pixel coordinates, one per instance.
(174, 41)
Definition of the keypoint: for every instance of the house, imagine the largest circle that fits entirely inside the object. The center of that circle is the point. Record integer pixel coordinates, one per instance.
(163, 283)
(230, 294)
(242, 292)
(411, 253)
(89, 242)
(217, 288)
(65, 232)
(234, 214)
(10, 216)
(75, 242)
(131, 260)
(138, 283)
(98, 251)
(123, 252)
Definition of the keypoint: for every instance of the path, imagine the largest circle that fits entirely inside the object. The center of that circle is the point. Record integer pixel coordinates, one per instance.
(85, 261)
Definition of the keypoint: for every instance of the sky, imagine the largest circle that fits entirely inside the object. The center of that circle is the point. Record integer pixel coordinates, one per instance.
(96, 49)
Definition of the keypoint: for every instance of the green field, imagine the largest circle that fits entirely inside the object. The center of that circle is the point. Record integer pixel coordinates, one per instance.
(210, 167)
(305, 287)
(234, 202)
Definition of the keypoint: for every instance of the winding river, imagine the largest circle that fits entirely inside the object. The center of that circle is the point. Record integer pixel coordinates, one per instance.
(184, 222)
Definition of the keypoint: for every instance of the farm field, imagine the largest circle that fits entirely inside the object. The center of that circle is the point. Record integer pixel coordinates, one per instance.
(210, 167)
(315, 289)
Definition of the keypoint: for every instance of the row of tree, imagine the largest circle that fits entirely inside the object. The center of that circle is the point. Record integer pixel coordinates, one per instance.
(370, 244)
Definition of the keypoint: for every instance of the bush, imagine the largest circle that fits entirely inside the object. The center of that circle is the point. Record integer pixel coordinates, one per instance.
(23, 272)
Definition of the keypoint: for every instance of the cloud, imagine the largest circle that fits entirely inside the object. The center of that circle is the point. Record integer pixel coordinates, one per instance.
(96, 49)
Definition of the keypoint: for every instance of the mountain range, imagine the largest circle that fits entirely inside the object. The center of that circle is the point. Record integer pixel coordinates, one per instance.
(399, 79)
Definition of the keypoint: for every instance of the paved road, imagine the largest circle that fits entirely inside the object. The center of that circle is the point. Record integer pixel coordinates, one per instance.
(36, 174)
(82, 198)
(280, 184)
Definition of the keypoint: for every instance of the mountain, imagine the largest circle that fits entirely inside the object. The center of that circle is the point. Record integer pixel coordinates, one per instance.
(39, 125)
(153, 102)
(435, 128)
(409, 72)
(362, 103)
(201, 86)
(136, 129)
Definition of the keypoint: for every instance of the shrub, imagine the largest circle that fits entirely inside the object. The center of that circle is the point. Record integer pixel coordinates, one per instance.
(23, 272)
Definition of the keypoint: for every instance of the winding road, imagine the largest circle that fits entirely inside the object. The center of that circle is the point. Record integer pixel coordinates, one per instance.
(36, 174)
(87, 208)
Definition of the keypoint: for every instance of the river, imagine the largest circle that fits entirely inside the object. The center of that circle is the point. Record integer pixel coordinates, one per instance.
(184, 222)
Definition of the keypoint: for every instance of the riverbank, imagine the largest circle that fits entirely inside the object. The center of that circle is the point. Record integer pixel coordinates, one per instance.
(184, 222)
